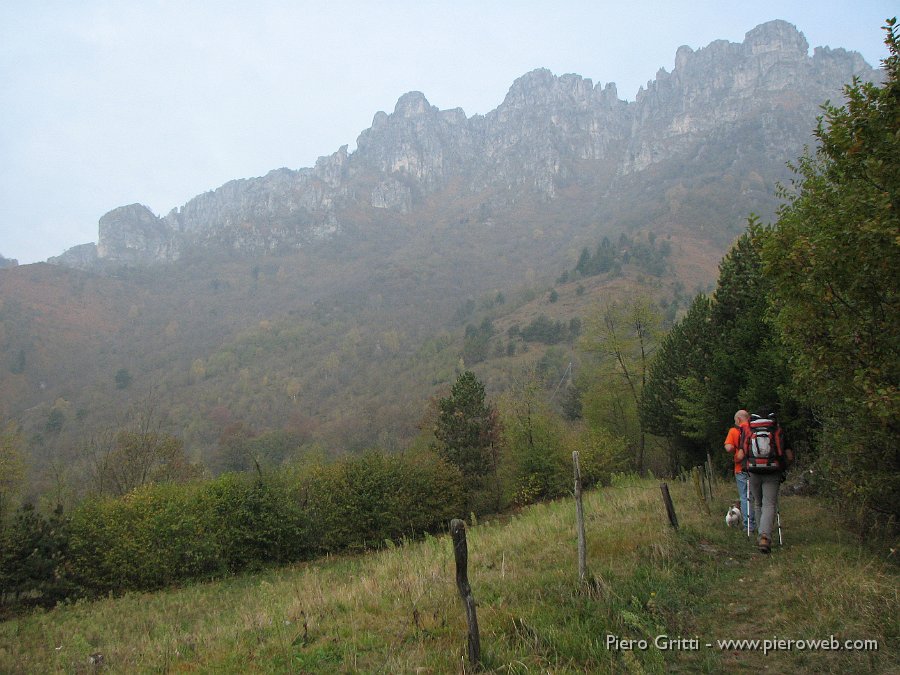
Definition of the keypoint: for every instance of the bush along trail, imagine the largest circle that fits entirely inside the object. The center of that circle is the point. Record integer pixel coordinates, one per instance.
(655, 599)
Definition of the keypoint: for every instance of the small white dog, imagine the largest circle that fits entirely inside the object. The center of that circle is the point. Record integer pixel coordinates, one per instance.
(733, 517)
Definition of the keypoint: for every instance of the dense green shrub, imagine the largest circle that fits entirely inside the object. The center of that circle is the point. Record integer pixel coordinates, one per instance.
(363, 501)
(601, 455)
(162, 534)
(257, 521)
(151, 537)
(535, 457)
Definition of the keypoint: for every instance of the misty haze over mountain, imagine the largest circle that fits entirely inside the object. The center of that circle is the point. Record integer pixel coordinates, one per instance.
(333, 300)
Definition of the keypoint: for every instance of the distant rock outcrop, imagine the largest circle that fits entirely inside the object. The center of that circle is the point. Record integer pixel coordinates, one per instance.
(738, 110)
(82, 257)
(6, 263)
(133, 234)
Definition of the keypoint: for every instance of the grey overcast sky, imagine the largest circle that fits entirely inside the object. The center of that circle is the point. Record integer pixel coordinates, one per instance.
(109, 102)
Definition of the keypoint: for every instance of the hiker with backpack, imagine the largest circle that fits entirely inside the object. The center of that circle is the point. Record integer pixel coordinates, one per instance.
(766, 457)
(734, 442)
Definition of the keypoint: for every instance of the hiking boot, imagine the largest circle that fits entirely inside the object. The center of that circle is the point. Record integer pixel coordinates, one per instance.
(765, 544)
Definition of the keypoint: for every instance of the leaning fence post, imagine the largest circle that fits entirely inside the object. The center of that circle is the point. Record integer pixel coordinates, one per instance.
(579, 520)
(461, 554)
(670, 507)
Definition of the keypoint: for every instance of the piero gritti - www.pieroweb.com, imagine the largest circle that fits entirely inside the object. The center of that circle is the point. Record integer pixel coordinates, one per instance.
(765, 645)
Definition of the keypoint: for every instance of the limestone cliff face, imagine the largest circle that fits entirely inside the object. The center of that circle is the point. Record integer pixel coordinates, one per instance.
(720, 105)
(133, 234)
(768, 83)
(544, 126)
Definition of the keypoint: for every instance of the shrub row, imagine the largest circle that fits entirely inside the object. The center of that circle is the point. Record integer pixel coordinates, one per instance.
(164, 534)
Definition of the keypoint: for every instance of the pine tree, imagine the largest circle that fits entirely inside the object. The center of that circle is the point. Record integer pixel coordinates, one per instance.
(467, 431)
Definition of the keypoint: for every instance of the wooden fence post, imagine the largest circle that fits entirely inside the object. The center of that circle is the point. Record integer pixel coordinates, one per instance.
(461, 554)
(579, 520)
(670, 507)
(699, 488)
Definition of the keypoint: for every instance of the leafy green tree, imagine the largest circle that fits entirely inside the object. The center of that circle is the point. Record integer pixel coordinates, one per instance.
(466, 433)
(533, 443)
(543, 329)
(574, 327)
(685, 349)
(604, 257)
(623, 338)
(747, 367)
(833, 257)
(583, 266)
(723, 355)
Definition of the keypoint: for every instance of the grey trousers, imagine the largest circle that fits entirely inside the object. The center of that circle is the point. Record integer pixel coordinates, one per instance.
(764, 493)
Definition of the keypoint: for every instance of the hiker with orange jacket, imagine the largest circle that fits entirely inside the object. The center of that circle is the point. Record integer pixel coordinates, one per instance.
(733, 445)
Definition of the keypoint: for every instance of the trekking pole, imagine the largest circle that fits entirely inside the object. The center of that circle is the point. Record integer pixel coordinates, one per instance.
(778, 520)
(749, 507)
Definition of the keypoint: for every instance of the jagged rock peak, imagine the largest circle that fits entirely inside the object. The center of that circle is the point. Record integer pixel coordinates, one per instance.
(133, 233)
(778, 36)
(332, 169)
(540, 86)
(136, 214)
(412, 104)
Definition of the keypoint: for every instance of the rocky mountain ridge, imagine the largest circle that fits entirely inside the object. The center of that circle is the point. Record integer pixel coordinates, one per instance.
(725, 109)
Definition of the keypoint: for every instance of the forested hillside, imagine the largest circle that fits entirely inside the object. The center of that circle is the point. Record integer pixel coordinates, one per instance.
(277, 345)
(464, 357)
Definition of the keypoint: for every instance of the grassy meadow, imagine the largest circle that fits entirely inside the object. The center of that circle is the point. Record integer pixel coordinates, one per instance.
(397, 610)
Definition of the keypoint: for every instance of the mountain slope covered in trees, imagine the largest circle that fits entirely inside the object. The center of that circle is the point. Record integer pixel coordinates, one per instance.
(432, 260)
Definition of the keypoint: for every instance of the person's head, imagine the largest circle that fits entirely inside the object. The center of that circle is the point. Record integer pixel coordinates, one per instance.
(741, 416)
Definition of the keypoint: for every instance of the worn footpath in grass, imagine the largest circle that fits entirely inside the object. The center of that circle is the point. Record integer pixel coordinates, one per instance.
(397, 610)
